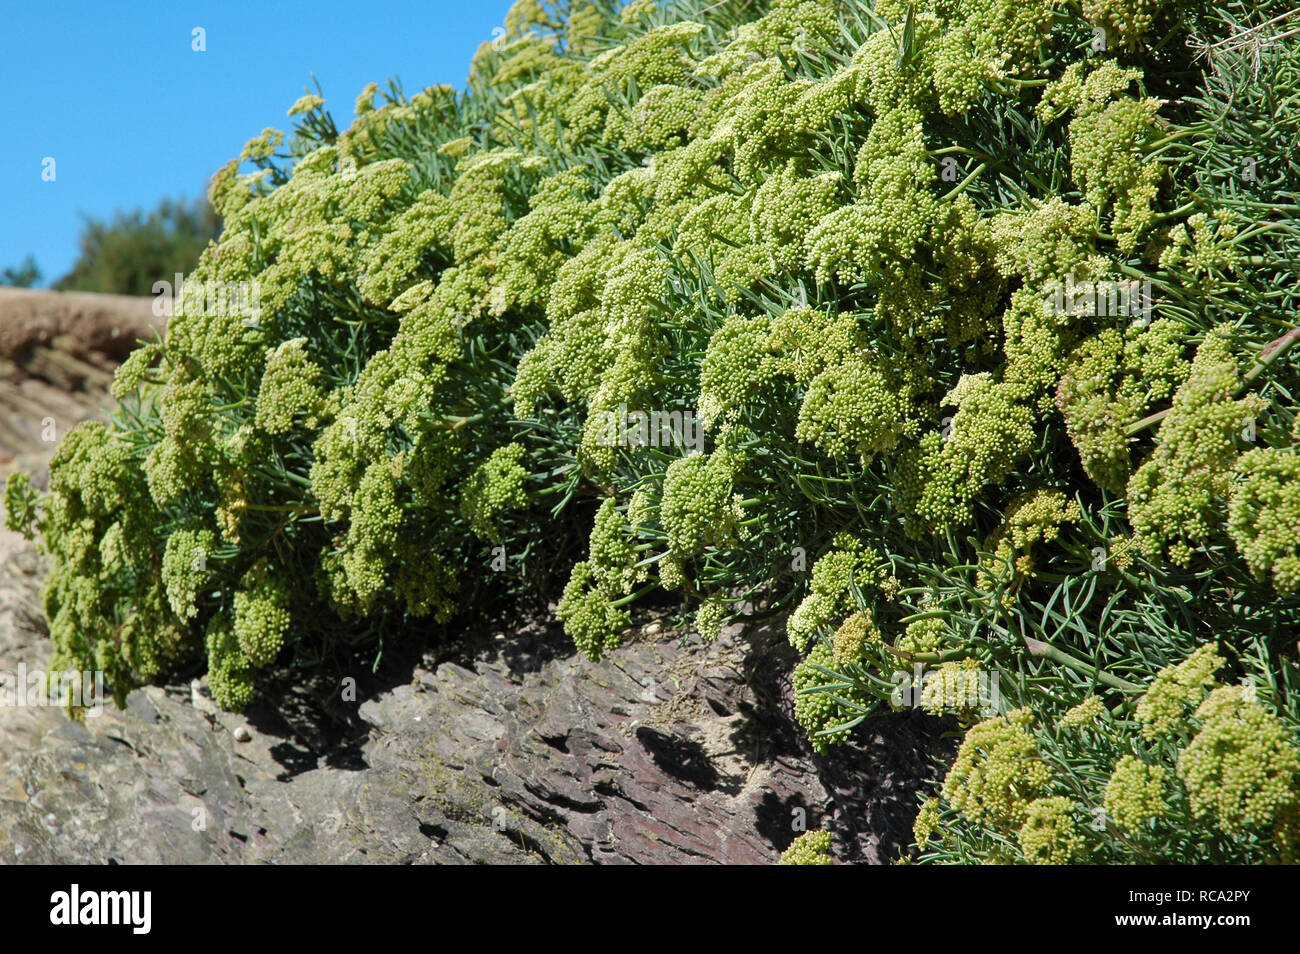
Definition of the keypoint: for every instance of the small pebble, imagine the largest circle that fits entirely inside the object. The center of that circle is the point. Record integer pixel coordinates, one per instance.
(242, 734)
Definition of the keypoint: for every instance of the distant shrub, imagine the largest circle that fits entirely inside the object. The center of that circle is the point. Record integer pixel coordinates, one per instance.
(21, 276)
(127, 254)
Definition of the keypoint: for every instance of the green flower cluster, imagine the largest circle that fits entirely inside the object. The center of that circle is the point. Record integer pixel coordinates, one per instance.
(1112, 380)
(1128, 21)
(1050, 835)
(698, 506)
(1264, 516)
(1204, 249)
(955, 685)
(594, 620)
(1175, 689)
(810, 848)
(824, 706)
(998, 772)
(290, 390)
(1034, 518)
(1135, 793)
(494, 488)
(261, 616)
(184, 569)
(1176, 497)
(600, 586)
(848, 563)
(981, 443)
(1086, 712)
(851, 639)
(1241, 768)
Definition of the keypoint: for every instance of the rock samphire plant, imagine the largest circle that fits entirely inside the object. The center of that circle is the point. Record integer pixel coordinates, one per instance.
(958, 331)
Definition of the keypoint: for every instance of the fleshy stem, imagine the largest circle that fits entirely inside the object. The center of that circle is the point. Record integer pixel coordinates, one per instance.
(1046, 651)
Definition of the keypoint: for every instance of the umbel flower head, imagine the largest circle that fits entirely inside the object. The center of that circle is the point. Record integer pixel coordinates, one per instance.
(305, 104)
(1031, 519)
(1110, 381)
(853, 636)
(998, 772)
(494, 488)
(1241, 767)
(847, 563)
(1264, 516)
(1135, 793)
(1086, 712)
(1174, 497)
(927, 820)
(810, 848)
(822, 706)
(590, 614)
(1050, 835)
(184, 569)
(1175, 689)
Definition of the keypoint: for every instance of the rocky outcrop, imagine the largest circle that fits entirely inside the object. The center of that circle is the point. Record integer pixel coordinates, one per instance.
(57, 354)
(511, 751)
(80, 323)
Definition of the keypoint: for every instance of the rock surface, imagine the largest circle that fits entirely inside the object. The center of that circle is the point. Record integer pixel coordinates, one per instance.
(57, 354)
(514, 751)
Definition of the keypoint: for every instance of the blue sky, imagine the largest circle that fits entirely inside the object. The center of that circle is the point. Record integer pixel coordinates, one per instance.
(113, 92)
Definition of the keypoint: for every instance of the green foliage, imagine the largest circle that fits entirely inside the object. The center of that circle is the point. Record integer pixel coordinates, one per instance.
(837, 235)
(1201, 771)
(24, 275)
(127, 254)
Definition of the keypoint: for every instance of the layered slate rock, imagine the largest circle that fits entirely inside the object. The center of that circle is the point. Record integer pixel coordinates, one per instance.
(57, 355)
(516, 751)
